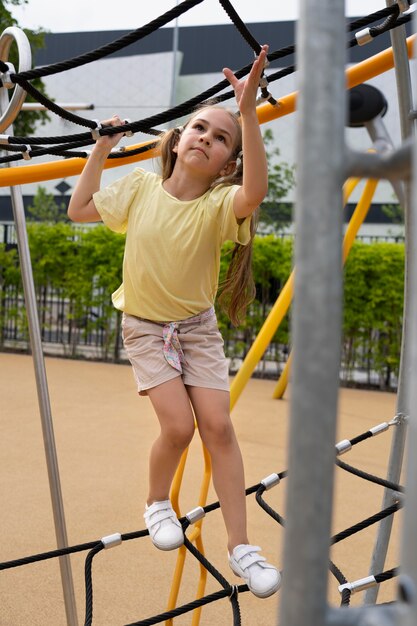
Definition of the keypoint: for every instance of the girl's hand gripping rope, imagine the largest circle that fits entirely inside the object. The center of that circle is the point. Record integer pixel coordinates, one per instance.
(108, 142)
(81, 207)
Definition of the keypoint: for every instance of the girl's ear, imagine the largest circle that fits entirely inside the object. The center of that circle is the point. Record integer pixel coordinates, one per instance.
(176, 142)
(228, 169)
(176, 137)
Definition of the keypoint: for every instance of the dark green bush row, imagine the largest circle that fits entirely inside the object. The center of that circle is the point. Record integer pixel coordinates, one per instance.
(83, 267)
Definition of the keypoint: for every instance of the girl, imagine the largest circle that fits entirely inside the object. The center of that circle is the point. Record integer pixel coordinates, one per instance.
(175, 225)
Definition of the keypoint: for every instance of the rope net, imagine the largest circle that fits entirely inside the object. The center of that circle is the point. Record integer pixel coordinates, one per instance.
(65, 145)
(228, 590)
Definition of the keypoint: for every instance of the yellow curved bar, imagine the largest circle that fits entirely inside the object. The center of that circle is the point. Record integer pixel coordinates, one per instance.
(283, 380)
(11, 176)
(179, 567)
(271, 324)
(359, 216)
(262, 340)
(378, 64)
(356, 220)
(198, 529)
(355, 75)
(195, 535)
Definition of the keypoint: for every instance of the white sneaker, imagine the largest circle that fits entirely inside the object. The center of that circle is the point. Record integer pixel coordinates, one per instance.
(163, 525)
(262, 578)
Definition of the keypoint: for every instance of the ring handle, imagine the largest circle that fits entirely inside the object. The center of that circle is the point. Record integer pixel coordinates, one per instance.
(10, 110)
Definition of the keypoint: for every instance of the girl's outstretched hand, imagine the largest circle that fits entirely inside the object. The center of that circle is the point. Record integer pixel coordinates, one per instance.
(110, 141)
(246, 90)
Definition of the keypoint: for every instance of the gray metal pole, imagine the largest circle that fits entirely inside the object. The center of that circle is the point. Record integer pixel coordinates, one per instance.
(8, 112)
(408, 579)
(44, 404)
(387, 615)
(402, 76)
(383, 144)
(317, 310)
(404, 91)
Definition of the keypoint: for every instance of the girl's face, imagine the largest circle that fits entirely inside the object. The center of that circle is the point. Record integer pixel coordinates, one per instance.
(208, 142)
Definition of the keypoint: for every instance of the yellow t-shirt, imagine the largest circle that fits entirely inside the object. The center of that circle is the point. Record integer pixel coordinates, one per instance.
(172, 253)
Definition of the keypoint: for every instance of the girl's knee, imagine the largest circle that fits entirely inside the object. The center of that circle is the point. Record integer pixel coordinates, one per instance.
(217, 431)
(178, 436)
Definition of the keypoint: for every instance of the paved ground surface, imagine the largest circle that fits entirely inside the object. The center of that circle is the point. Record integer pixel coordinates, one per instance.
(103, 432)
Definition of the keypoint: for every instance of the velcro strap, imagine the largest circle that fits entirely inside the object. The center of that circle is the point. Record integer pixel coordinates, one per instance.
(159, 516)
(243, 550)
(249, 559)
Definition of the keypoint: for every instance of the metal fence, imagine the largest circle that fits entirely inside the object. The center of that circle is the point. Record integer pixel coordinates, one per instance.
(94, 331)
(94, 334)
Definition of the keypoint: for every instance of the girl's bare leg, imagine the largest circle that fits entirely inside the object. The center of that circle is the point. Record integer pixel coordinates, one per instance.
(212, 411)
(172, 406)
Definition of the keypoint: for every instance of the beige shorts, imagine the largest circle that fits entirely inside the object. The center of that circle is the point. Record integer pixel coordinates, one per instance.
(201, 343)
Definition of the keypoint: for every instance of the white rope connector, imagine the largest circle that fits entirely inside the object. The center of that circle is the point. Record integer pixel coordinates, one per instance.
(26, 154)
(4, 139)
(129, 133)
(195, 515)
(397, 497)
(380, 428)
(359, 585)
(110, 541)
(270, 481)
(6, 81)
(266, 62)
(364, 36)
(95, 131)
(343, 446)
(263, 83)
(400, 418)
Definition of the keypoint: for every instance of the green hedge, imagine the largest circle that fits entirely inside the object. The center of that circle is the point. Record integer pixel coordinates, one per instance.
(83, 267)
(374, 290)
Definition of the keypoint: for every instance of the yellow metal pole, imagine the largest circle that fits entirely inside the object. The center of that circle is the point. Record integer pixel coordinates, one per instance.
(270, 326)
(282, 383)
(262, 340)
(359, 216)
(199, 539)
(195, 535)
(179, 567)
(356, 220)
(62, 169)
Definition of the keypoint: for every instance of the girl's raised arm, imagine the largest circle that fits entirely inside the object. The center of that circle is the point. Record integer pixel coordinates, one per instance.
(255, 169)
(81, 207)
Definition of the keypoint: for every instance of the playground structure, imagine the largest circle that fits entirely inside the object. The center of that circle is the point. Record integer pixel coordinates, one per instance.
(317, 314)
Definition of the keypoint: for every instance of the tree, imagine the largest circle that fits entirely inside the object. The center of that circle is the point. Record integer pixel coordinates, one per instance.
(46, 209)
(26, 121)
(274, 212)
(394, 212)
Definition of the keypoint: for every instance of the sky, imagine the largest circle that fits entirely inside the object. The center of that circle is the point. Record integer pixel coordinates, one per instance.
(96, 15)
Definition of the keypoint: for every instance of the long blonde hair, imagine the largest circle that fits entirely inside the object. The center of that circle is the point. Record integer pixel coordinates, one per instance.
(237, 290)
